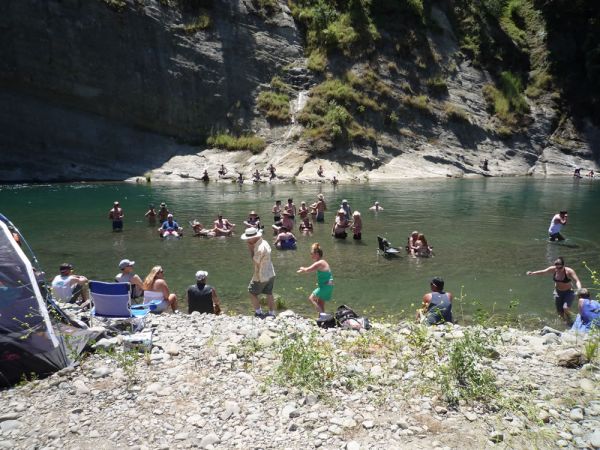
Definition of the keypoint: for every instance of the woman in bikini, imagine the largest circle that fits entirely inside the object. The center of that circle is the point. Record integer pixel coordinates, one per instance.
(563, 277)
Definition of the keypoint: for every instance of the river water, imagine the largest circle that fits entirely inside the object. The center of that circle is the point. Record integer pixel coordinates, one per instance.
(486, 234)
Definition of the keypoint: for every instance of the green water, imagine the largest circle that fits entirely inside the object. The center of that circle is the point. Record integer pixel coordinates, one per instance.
(486, 234)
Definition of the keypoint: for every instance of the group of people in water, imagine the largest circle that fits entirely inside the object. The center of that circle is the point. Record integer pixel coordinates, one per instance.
(436, 305)
(577, 173)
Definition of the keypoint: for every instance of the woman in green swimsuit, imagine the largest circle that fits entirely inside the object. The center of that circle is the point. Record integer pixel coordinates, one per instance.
(324, 278)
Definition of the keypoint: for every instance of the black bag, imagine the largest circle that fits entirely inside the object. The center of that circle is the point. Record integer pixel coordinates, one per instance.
(326, 321)
(344, 313)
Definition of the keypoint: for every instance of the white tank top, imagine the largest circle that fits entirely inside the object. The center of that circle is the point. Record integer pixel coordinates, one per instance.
(62, 287)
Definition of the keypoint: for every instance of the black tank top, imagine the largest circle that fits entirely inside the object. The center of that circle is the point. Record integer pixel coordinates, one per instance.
(200, 299)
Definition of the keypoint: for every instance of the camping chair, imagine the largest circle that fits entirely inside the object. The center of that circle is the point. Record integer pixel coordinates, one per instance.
(113, 301)
(385, 248)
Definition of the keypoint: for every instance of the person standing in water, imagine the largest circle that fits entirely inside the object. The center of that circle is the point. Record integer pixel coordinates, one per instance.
(163, 213)
(116, 215)
(151, 215)
(558, 221)
(376, 207)
(324, 290)
(563, 278)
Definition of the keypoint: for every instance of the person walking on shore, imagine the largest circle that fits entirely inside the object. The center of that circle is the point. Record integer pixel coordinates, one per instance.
(263, 276)
(324, 290)
(563, 278)
(116, 215)
(558, 221)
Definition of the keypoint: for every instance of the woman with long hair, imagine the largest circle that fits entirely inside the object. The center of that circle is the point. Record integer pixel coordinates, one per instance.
(563, 278)
(324, 279)
(156, 291)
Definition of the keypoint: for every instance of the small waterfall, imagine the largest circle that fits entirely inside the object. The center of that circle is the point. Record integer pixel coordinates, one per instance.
(296, 105)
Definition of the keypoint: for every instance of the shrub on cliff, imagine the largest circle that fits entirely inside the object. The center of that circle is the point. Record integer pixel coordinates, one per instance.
(226, 141)
(274, 105)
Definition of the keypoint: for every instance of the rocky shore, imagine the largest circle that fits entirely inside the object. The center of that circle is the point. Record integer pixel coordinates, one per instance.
(241, 382)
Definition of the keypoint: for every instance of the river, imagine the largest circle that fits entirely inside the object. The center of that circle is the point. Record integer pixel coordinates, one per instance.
(486, 234)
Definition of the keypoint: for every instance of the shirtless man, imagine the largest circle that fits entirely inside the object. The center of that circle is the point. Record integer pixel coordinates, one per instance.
(376, 207)
(321, 207)
(163, 213)
(222, 171)
(303, 210)
(116, 215)
(411, 244)
(223, 227)
(558, 221)
(276, 211)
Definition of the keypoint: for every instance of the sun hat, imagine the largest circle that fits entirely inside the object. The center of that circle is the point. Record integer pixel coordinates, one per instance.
(251, 233)
(201, 275)
(169, 216)
(65, 266)
(253, 213)
(196, 222)
(126, 263)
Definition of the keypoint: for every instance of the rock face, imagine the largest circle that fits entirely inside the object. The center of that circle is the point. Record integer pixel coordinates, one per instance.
(112, 89)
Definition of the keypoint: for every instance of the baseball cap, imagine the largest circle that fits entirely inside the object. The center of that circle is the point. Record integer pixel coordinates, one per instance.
(65, 266)
(201, 275)
(126, 263)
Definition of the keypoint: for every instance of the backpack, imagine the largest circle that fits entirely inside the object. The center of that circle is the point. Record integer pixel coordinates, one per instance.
(344, 313)
(326, 321)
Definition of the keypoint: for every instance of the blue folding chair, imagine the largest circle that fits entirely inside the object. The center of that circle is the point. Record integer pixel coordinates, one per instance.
(113, 301)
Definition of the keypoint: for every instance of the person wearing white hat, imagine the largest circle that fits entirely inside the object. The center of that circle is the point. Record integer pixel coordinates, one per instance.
(263, 277)
(116, 215)
(202, 297)
(128, 276)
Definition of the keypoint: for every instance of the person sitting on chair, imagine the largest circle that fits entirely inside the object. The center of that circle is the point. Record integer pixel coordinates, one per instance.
(128, 276)
(203, 297)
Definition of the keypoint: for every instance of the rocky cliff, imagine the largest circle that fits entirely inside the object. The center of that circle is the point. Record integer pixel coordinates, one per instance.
(111, 89)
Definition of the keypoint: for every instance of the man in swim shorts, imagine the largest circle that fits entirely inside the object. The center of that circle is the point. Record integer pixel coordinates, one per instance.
(116, 215)
(263, 277)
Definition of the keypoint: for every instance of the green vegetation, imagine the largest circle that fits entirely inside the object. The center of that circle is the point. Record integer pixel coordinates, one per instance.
(226, 141)
(455, 114)
(274, 105)
(117, 5)
(317, 61)
(418, 102)
(437, 86)
(202, 22)
(463, 376)
(329, 112)
(508, 102)
(306, 363)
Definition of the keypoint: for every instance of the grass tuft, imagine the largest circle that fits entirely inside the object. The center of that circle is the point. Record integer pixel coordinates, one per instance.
(226, 141)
